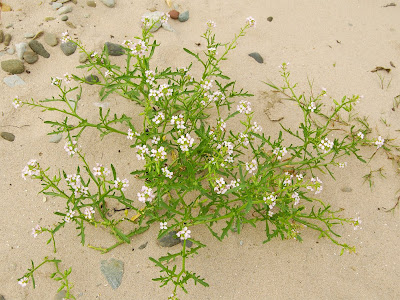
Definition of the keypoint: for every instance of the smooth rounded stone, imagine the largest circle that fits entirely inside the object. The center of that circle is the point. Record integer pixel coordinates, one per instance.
(108, 3)
(64, 18)
(29, 35)
(168, 27)
(141, 247)
(68, 48)
(64, 10)
(60, 295)
(50, 39)
(7, 39)
(92, 79)
(169, 240)
(83, 58)
(13, 80)
(174, 14)
(70, 24)
(20, 48)
(56, 5)
(48, 19)
(30, 57)
(113, 270)
(1, 36)
(13, 66)
(114, 49)
(269, 19)
(346, 189)
(8, 136)
(11, 50)
(183, 17)
(55, 138)
(257, 57)
(38, 48)
(91, 3)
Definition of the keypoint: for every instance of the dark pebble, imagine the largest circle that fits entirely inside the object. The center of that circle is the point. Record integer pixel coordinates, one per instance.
(174, 14)
(114, 49)
(13, 66)
(169, 240)
(92, 79)
(269, 19)
(7, 136)
(143, 246)
(30, 57)
(189, 244)
(68, 48)
(7, 39)
(38, 48)
(257, 57)
(1, 36)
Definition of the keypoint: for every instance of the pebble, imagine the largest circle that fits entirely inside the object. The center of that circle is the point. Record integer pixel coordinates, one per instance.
(30, 57)
(114, 49)
(13, 80)
(1, 36)
(7, 136)
(91, 3)
(11, 50)
(68, 48)
(64, 18)
(50, 39)
(183, 17)
(60, 295)
(168, 27)
(113, 271)
(174, 14)
(7, 39)
(83, 58)
(10, 25)
(55, 138)
(70, 24)
(169, 240)
(29, 35)
(269, 19)
(13, 66)
(48, 19)
(108, 3)
(38, 48)
(154, 18)
(141, 247)
(20, 48)
(56, 5)
(257, 57)
(64, 10)
(92, 79)
(346, 189)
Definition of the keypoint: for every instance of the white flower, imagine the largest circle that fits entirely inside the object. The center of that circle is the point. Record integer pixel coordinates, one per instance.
(158, 118)
(71, 147)
(251, 22)
(299, 177)
(142, 151)
(67, 78)
(178, 121)
(36, 230)
(251, 167)
(163, 225)
(167, 173)
(89, 212)
(312, 106)
(130, 134)
(296, 198)
(56, 81)
(31, 169)
(138, 48)
(288, 179)
(244, 107)
(185, 142)
(155, 140)
(16, 102)
(184, 234)
(107, 73)
(211, 24)
(226, 147)
(360, 135)
(221, 187)
(221, 124)
(280, 152)
(121, 185)
(356, 223)
(146, 195)
(206, 84)
(243, 139)
(99, 170)
(342, 165)
(255, 127)
(94, 54)
(379, 142)
(158, 154)
(317, 184)
(164, 18)
(23, 281)
(326, 145)
(212, 51)
(69, 216)
(65, 37)
(74, 181)
(150, 77)
(234, 183)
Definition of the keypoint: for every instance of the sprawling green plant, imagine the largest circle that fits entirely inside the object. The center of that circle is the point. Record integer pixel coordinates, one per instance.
(196, 170)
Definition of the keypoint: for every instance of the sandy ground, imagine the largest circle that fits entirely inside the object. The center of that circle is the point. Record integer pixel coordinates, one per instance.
(336, 43)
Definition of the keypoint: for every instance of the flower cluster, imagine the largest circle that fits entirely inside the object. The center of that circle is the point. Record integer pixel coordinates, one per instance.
(212, 51)
(221, 124)
(31, 169)
(243, 139)
(379, 142)
(56, 81)
(163, 225)
(185, 142)
(221, 187)
(296, 198)
(139, 48)
(312, 106)
(211, 24)
(184, 234)
(131, 134)
(69, 216)
(16, 102)
(146, 195)
(270, 200)
(67, 78)
(65, 37)
(226, 148)
(252, 166)
(206, 84)
(256, 127)
(288, 179)
(158, 154)
(244, 107)
(357, 223)
(178, 121)
(251, 22)
(167, 173)
(107, 73)
(23, 281)
(326, 145)
(99, 170)
(36, 230)
(141, 152)
(89, 212)
(74, 181)
(158, 118)
(280, 152)
(150, 77)
(360, 135)
(163, 91)
(317, 184)
(121, 184)
(155, 140)
(71, 147)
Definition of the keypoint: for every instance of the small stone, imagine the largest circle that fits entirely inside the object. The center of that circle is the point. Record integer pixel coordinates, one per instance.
(64, 10)
(1, 36)
(13, 66)
(169, 240)
(50, 39)
(141, 247)
(183, 17)
(13, 80)
(92, 79)
(154, 17)
(257, 57)
(269, 19)
(29, 35)
(91, 3)
(38, 48)
(83, 58)
(174, 14)
(64, 18)
(168, 27)
(70, 25)
(10, 25)
(11, 50)
(114, 49)
(68, 48)
(56, 5)
(108, 3)
(7, 136)
(60, 295)
(48, 19)
(346, 189)
(30, 57)
(55, 138)
(113, 271)
(7, 39)
(20, 48)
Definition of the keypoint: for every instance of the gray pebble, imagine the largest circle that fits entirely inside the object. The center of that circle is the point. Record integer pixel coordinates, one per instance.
(60, 295)
(30, 57)
(55, 138)
(7, 39)
(92, 79)
(68, 48)
(64, 10)
(269, 19)
(83, 58)
(114, 49)
(13, 80)
(38, 48)
(13, 66)
(346, 189)
(29, 35)
(50, 39)
(11, 50)
(20, 48)
(108, 3)
(64, 18)
(1, 36)
(168, 27)
(113, 271)
(169, 240)
(91, 3)
(183, 17)
(141, 247)
(7, 136)
(56, 5)
(257, 57)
